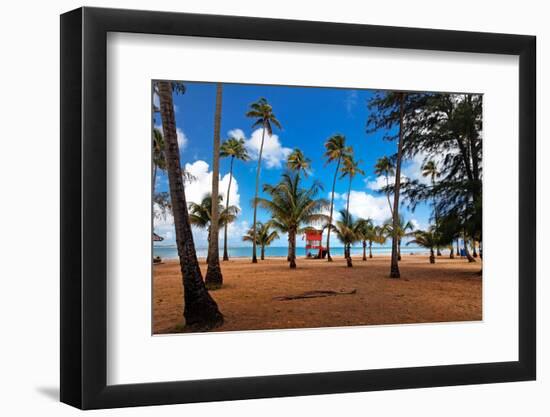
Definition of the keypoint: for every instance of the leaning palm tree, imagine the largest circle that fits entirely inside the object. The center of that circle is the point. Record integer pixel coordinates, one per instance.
(296, 161)
(264, 236)
(350, 169)
(293, 207)
(200, 310)
(384, 167)
(214, 277)
(348, 232)
(336, 150)
(426, 239)
(159, 158)
(403, 229)
(234, 148)
(430, 170)
(262, 112)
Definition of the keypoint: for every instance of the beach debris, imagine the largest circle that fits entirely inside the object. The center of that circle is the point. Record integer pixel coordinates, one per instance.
(315, 294)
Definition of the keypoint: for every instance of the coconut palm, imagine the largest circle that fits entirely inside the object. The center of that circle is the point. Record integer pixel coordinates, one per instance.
(430, 170)
(426, 239)
(403, 229)
(364, 227)
(264, 236)
(159, 158)
(201, 213)
(214, 277)
(368, 233)
(350, 169)
(335, 150)
(348, 231)
(200, 310)
(296, 161)
(384, 167)
(262, 113)
(293, 207)
(235, 149)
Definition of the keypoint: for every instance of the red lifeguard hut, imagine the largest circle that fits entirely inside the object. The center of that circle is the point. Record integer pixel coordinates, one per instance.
(314, 247)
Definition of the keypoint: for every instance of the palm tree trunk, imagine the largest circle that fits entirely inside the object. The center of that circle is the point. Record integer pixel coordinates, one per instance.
(329, 258)
(399, 249)
(466, 250)
(388, 195)
(214, 277)
(348, 256)
(254, 259)
(436, 217)
(370, 249)
(225, 254)
(200, 310)
(262, 253)
(432, 257)
(292, 235)
(474, 246)
(394, 268)
(154, 178)
(289, 254)
(364, 250)
(452, 254)
(457, 247)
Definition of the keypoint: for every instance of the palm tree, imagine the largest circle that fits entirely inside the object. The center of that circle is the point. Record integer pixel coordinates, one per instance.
(426, 239)
(348, 231)
(214, 277)
(159, 158)
(200, 311)
(235, 149)
(296, 161)
(402, 230)
(336, 150)
(378, 236)
(264, 236)
(293, 207)
(384, 166)
(430, 170)
(350, 169)
(201, 214)
(262, 112)
(365, 230)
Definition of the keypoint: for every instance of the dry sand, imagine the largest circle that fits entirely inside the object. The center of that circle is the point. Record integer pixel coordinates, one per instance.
(450, 290)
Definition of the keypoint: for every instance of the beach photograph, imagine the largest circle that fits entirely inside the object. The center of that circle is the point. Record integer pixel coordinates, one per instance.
(294, 207)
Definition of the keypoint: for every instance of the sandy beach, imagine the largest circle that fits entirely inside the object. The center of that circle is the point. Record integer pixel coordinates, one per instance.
(450, 290)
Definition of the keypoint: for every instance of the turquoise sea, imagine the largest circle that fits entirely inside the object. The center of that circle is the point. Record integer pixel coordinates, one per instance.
(170, 251)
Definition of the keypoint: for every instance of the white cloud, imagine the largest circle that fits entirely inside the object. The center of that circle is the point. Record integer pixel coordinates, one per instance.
(273, 155)
(182, 138)
(236, 133)
(367, 206)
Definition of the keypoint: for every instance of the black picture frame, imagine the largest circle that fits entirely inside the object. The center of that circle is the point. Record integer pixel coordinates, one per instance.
(84, 207)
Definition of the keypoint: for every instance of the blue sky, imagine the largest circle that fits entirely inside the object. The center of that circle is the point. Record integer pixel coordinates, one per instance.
(308, 116)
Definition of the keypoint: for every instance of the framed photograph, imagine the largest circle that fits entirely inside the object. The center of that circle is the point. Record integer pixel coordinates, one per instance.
(257, 208)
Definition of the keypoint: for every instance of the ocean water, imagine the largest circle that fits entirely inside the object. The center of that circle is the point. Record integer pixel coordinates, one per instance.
(170, 251)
